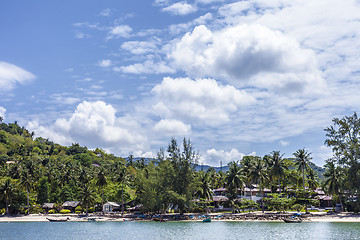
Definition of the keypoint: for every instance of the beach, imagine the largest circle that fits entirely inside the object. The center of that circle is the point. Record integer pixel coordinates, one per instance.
(256, 216)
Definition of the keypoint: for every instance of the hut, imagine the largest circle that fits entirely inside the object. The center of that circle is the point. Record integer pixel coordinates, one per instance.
(110, 206)
(48, 206)
(71, 205)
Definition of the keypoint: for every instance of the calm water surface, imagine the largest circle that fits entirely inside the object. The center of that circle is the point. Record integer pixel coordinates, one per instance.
(178, 230)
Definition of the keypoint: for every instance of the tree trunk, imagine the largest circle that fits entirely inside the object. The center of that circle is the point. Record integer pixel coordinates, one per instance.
(303, 178)
(86, 209)
(28, 205)
(122, 200)
(279, 185)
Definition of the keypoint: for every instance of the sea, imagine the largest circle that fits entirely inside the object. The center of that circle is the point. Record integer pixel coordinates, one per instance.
(178, 230)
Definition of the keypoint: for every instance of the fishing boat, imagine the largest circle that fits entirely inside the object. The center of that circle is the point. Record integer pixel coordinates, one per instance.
(58, 220)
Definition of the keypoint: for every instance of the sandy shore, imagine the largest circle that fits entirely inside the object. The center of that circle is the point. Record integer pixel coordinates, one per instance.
(314, 217)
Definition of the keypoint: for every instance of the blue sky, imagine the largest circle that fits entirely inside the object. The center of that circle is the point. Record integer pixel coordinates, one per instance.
(236, 77)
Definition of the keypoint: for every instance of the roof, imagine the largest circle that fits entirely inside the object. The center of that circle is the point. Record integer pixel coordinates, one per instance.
(71, 204)
(219, 198)
(48, 205)
(114, 204)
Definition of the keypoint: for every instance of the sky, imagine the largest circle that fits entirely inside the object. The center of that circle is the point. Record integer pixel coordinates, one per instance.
(235, 77)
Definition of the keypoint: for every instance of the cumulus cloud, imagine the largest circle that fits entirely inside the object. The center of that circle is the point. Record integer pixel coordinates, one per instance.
(250, 54)
(120, 31)
(200, 100)
(215, 157)
(106, 12)
(95, 124)
(11, 75)
(105, 63)
(171, 127)
(180, 8)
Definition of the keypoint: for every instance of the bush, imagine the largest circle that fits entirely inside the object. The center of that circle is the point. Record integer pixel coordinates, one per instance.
(65, 211)
(52, 211)
(79, 209)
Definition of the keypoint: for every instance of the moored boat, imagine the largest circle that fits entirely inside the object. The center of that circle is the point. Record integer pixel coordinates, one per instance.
(57, 220)
(292, 220)
(207, 220)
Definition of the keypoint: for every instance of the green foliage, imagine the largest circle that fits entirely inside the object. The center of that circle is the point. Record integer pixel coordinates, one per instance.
(278, 202)
(52, 211)
(65, 211)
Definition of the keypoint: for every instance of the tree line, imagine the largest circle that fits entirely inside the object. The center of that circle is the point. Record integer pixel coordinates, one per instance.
(37, 171)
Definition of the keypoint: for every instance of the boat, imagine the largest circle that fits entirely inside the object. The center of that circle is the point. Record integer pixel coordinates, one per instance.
(156, 219)
(207, 220)
(58, 220)
(292, 220)
(91, 219)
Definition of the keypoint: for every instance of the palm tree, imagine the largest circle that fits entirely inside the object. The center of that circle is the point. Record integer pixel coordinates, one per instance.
(302, 158)
(101, 182)
(25, 181)
(259, 174)
(204, 191)
(234, 181)
(332, 176)
(121, 178)
(87, 196)
(247, 165)
(277, 166)
(7, 192)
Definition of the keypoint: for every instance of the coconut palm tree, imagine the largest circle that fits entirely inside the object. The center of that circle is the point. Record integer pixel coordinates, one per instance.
(302, 158)
(7, 192)
(247, 165)
(88, 197)
(234, 182)
(121, 177)
(277, 166)
(260, 176)
(101, 182)
(332, 184)
(204, 189)
(26, 183)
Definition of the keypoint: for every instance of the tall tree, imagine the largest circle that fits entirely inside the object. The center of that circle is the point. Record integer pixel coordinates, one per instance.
(247, 166)
(332, 184)
(302, 158)
(344, 139)
(101, 182)
(260, 176)
(26, 183)
(277, 167)
(87, 197)
(234, 182)
(6, 190)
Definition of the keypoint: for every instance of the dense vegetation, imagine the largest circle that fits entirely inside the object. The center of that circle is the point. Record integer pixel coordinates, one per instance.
(37, 171)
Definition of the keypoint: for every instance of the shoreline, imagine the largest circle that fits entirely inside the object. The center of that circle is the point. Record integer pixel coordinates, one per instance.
(243, 217)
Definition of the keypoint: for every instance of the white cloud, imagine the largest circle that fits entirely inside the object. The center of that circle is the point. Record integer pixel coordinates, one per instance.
(120, 31)
(149, 66)
(106, 12)
(213, 157)
(140, 47)
(2, 112)
(105, 63)
(201, 100)
(171, 127)
(11, 75)
(180, 8)
(81, 35)
(284, 143)
(247, 54)
(95, 124)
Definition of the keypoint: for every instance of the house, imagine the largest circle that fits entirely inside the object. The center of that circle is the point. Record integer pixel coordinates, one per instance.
(71, 205)
(110, 206)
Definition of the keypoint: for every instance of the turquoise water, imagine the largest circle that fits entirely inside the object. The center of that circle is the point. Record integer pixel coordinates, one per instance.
(178, 230)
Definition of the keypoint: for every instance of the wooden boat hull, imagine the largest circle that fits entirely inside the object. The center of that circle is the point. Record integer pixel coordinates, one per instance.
(57, 220)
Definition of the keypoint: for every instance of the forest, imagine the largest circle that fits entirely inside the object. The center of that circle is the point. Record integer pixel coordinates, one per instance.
(38, 171)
